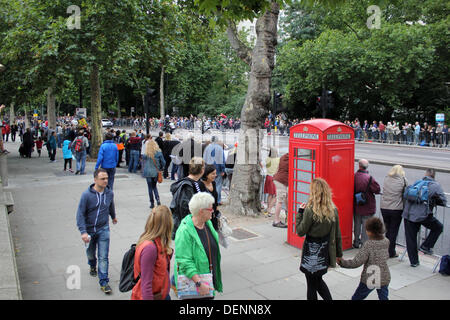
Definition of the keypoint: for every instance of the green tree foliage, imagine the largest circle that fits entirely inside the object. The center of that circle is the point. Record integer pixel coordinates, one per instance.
(220, 81)
(396, 71)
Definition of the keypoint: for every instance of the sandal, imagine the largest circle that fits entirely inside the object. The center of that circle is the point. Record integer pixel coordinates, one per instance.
(279, 225)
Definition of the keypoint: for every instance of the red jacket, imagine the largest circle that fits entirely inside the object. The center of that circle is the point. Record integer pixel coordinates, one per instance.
(160, 276)
(362, 178)
(282, 174)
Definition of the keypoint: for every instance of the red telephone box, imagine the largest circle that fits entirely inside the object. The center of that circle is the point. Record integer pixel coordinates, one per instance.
(322, 148)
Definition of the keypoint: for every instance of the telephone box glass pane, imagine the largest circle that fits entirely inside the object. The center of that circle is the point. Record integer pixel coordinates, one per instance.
(303, 198)
(304, 172)
(303, 187)
(304, 176)
(304, 165)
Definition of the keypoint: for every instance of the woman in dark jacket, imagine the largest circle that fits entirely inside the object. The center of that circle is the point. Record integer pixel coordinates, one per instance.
(183, 190)
(168, 145)
(318, 220)
(28, 142)
(52, 146)
(210, 186)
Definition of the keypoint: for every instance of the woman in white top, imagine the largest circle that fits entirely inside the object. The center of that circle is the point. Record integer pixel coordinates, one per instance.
(272, 162)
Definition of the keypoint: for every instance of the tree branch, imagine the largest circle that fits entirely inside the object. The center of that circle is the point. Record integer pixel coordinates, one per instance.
(243, 52)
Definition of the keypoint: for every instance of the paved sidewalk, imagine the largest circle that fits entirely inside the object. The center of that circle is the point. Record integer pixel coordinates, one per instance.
(47, 242)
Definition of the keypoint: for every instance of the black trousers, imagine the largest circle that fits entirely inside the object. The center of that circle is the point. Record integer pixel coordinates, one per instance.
(411, 230)
(166, 167)
(392, 220)
(52, 153)
(67, 161)
(315, 284)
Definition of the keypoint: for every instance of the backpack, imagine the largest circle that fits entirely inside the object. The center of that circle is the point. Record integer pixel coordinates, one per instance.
(175, 208)
(79, 145)
(418, 192)
(445, 265)
(127, 280)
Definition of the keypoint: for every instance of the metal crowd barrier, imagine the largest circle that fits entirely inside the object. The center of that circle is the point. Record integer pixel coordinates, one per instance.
(441, 141)
(439, 250)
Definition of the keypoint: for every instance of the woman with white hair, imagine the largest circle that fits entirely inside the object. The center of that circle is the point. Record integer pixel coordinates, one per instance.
(197, 245)
(391, 204)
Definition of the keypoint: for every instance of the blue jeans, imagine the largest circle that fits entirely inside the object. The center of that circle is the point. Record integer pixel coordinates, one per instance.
(416, 138)
(60, 140)
(363, 291)
(174, 170)
(99, 238)
(81, 160)
(152, 189)
(111, 172)
(134, 161)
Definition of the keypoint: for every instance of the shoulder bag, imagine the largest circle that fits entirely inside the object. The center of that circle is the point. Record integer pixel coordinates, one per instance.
(160, 177)
(361, 197)
(186, 288)
(315, 255)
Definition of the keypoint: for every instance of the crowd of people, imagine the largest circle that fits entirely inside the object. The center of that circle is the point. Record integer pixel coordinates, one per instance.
(393, 132)
(396, 133)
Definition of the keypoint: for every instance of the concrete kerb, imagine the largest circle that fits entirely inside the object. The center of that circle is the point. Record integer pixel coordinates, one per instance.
(402, 145)
(405, 165)
(9, 279)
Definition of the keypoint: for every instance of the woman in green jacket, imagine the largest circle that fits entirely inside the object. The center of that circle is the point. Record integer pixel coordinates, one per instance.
(318, 220)
(197, 245)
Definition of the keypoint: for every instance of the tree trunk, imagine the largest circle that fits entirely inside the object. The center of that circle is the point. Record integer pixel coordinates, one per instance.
(58, 108)
(12, 114)
(26, 117)
(161, 93)
(96, 112)
(119, 113)
(51, 106)
(245, 186)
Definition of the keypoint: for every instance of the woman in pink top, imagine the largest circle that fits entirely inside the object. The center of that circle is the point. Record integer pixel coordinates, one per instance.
(152, 257)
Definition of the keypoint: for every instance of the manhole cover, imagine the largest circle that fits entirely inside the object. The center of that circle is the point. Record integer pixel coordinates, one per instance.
(242, 234)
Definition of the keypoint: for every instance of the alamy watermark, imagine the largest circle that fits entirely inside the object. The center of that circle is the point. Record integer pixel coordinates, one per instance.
(374, 21)
(74, 21)
(73, 282)
(374, 278)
